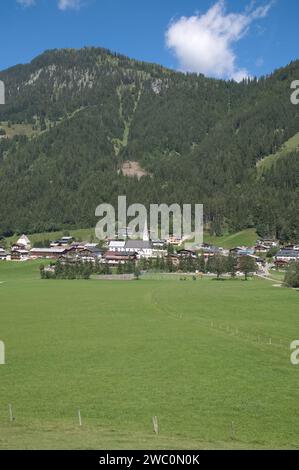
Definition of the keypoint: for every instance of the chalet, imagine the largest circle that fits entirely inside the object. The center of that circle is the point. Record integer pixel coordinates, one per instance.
(23, 242)
(143, 248)
(90, 253)
(208, 250)
(269, 243)
(281, 264)
(261, 248)
(51, 253)
(65, 241)
(19, 254)
(113, 258)
(242, 251)
(187, 254)
(292, 247)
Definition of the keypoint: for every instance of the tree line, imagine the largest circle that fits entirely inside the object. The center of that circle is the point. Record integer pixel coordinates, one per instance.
(217, 264)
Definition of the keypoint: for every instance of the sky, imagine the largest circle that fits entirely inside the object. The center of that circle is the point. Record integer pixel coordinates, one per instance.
(228, 39)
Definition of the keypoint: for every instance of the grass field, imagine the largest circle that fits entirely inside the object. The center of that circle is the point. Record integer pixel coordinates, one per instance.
(194, 353)
(246, 237)
(17, 129)
(279, 275)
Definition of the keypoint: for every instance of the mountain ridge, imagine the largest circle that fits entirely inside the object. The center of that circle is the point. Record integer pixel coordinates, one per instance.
(199, 138)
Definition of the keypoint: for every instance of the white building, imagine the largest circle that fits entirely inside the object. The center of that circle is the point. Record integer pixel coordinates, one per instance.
(268, 243)
(116, 245)
(143, 248)
(3, 254)
(287, 256)
(24, 242)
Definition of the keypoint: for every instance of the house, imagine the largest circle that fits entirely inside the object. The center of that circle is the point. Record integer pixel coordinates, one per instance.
(116, 245)
(242, 251)
(52, 253)
(143, 248)
(64, 241)
(3, 254)
(114, 258)
(269, 243)
(292, 247)
(19, 254)
(187, 254)
(261, 248)
(90, 253)
(23, 242)
(286, 256)
(208, 250)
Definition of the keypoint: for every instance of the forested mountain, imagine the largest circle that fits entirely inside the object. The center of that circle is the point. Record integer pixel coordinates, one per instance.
(73, 117)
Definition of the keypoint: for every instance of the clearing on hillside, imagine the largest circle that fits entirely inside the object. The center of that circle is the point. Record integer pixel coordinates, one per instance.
(292, 145)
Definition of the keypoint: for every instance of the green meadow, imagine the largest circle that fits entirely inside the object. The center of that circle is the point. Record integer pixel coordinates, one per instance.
(210, 359)
(247, 237)
(292, 145)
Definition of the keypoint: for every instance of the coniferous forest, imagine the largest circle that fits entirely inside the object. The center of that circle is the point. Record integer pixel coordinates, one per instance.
(73, 117)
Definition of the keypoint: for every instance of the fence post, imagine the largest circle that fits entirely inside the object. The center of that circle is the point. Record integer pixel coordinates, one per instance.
(11, 418)
(155, 425)
(79, 417)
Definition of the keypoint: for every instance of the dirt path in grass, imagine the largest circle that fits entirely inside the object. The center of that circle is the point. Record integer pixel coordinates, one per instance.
(267, 278)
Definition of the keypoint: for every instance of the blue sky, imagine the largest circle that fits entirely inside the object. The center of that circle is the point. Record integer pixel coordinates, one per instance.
(224, 38)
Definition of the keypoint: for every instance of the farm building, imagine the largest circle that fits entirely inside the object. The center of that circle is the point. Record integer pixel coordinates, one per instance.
(52, 253)
(114, 258)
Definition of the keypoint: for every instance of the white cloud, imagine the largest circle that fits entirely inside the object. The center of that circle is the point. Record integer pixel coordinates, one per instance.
(69, 4)
(62, 4)
(26, 3)
(204, 43)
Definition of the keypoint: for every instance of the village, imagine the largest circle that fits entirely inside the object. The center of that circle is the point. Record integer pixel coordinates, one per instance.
(150, 253)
